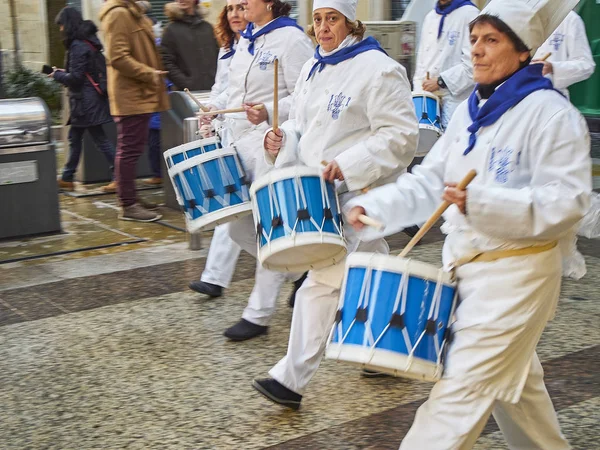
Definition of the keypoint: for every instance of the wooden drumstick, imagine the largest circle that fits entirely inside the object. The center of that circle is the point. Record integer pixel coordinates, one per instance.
(546, 56)
(200, 105)
(275, 120)
(428, 75)
(436, 215)
(370, 222)
(231, 110)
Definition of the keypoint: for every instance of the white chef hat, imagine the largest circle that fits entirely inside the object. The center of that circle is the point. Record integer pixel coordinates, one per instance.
(532, 20)
(346, 7)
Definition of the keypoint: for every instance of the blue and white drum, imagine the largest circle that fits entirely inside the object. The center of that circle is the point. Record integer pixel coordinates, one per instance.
(180, 153)
(427, 108)
(298, 220)
(394, 316)
(211, 188)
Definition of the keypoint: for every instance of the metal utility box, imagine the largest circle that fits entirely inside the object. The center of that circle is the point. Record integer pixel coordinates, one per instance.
(93, 167)
(398, 39)
(28, 191)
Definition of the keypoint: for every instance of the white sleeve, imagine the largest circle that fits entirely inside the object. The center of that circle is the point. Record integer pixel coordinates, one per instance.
(459, 78)
(411, 199)
(293, 59)
(580, 64)
(221, 79)
(394, 132)
(558, 195)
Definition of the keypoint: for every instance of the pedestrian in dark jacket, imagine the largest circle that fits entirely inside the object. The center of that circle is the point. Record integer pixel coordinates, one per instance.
(84, 67)
(189, 48)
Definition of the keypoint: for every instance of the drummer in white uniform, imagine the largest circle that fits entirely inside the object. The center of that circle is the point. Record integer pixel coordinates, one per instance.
(270, 35)
(530, 148)
(444, 54)
(224, 252)
(571, 58)
(362, 123)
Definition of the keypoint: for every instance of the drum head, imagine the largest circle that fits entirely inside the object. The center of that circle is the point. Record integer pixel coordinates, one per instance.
(427, 139)
(303, 252)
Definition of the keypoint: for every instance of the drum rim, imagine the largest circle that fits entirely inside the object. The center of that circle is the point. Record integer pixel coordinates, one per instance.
(191, 146)
(284, 173)
(425, 126)
(425, 94)
(283, 243)
(398, 265)
(356, 354)
(218, 217)
(200, 159)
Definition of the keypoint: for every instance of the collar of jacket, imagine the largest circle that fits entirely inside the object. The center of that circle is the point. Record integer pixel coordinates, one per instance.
(131, 6)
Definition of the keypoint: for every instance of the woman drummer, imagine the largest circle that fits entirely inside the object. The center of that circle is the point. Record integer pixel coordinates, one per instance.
(530, 147)
(223, 252)
(363, 124)
(270, 35)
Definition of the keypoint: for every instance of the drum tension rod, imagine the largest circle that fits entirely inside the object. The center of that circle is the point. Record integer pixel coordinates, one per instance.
(192, 203)
(277, 222)
(230, 189)
(338, 316)
(303, 214)
(209, 193)
(327, 213)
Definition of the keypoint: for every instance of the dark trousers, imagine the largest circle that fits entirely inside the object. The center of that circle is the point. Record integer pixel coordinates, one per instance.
(76, 146)
(132, 137)
(154, 152)
(415, 162)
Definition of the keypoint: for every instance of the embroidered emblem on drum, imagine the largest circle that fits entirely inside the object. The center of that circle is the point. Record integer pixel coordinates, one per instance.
(264, 59)
(453, 37)
(501, 163)
(557, 40)
(337, 103)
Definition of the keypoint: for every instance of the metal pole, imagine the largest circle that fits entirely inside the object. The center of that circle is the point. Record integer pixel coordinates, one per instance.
(191, 133)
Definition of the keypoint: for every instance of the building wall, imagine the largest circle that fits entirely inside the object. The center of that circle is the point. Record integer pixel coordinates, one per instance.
(32, 23)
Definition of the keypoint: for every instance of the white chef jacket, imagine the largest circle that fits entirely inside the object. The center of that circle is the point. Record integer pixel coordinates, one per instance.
(571, 57)
(450, 55)
(532, 187)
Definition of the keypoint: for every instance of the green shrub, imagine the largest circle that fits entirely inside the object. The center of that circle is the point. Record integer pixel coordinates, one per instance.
(23, 83)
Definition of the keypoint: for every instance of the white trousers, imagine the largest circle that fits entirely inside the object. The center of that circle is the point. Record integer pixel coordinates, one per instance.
(222, 258)
(267, 284)
(454, 416)
(314, 315)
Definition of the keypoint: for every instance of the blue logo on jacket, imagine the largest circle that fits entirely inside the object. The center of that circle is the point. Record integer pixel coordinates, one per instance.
(453, 36)
(557, 40)
(337, 103)
(501, 162)
(264, 59)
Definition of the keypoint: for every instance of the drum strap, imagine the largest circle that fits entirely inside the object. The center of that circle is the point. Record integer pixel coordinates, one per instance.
(501, 254)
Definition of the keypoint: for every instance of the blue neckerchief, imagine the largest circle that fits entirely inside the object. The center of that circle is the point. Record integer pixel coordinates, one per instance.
(231, 51)
(509, 94)
(444, 11)
(280, 22)
(365, 45)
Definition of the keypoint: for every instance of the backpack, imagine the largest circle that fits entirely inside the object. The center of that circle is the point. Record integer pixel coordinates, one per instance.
(98, 75)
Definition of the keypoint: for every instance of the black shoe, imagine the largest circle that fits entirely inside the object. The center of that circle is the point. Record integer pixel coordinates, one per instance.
(212, 290)
(297, 285)
(277, 393)
(373, 374)
(244, 330)
(411, 231)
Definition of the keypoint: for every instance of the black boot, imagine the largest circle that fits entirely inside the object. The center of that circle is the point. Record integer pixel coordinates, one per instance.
(277, 393)
(297, 285)
(212, 290)
(244, 330)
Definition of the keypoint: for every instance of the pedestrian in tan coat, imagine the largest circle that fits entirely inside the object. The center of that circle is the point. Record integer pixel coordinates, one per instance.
(136, 89)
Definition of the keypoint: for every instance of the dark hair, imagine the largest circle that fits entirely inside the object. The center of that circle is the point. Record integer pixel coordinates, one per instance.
(223, 31)
(70, 18)
(502, 27)
(280, 8)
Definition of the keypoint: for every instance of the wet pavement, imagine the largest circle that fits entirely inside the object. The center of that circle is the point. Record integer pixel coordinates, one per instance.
(103, 346)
